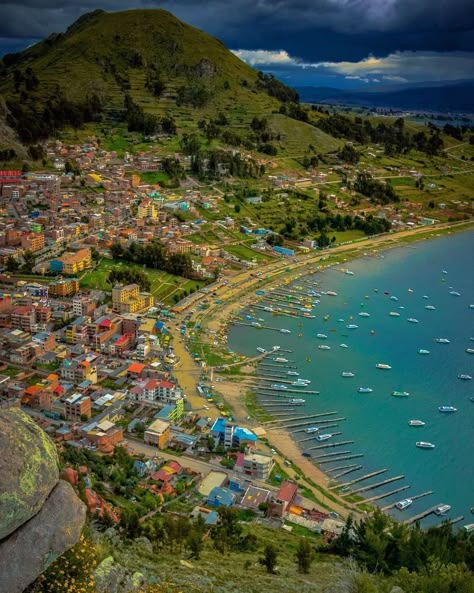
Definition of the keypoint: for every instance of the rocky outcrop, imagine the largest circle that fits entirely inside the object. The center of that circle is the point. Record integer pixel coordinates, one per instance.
(28, 469)
(40, 516)
(31, 548)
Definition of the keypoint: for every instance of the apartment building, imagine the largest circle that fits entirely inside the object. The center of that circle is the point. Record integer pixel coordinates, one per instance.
(77, 405)
(129, 299)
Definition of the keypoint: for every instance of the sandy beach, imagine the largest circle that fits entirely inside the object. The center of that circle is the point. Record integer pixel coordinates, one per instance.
(235, 295)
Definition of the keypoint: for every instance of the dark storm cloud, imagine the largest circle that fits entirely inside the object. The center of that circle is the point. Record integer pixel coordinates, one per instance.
(30, 18)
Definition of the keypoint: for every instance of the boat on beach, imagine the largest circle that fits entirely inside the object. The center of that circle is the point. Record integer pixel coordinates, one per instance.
(382, 366)
(401, 505)
(416, 423)
(400, 393)
(365, 390)
(447, 409)
(424, 445)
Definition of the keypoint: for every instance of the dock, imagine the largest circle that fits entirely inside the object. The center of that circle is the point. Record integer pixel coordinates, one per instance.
(384, 495)
(259, 326)
(366, 477)
(353, 456)
(391, 506)
(378, 484)
(354, 468)
(455, 520)
(336, 469)
(314, 437)
(422, 515)
(330, 445)
(310, 416)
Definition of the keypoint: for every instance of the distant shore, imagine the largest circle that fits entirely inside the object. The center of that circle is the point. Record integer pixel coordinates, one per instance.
(240, 293)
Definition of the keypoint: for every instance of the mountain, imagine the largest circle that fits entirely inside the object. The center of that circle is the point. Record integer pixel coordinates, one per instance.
(147, 58)
(430, 96)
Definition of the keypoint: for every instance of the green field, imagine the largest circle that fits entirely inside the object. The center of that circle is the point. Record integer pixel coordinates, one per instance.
(164, 286)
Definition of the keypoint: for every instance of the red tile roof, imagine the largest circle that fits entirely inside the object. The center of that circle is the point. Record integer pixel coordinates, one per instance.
(287, 491)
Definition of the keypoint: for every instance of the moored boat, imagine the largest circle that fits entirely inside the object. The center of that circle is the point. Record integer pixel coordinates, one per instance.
(400, 393)
(455, 293)
(347, 374)
(261, 350)
(442, 509)
(323, 437)
(322, 336)
(280, 359)
(424, 445)
(394, 314)
(470, 350)
(430, 307)
(416, 423)
(412, 320)
(403, 504)
(352, 326)
(296, 401)
(344, 346)
(312, 429)
(447, 409)
(293, 373)
(324, 347)
(364, 314)
(442, 340)
(464, 377)
(285, 331)
(423, 351)
(382, 366)
(365, 390)
(331, 293)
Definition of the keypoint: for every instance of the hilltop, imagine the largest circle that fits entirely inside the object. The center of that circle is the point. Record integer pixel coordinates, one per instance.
(143, 59)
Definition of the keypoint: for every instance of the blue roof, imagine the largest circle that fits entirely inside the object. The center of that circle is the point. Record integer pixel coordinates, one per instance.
(244, 434)
(221, 497)
(219, 425)
(211, 518)
(165, 412)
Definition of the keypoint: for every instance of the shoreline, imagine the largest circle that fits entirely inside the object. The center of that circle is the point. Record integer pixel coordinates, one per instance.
(219, 318)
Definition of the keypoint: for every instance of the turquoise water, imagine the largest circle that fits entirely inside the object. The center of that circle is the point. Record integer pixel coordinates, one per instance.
(378, 422)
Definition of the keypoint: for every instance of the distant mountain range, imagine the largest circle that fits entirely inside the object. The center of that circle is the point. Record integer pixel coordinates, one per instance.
(429, 96)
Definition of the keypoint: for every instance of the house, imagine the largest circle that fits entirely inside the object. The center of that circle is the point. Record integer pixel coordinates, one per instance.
(76, 406)
(284, 498)
(169, 471)
(220, 497)
(158, 433)
(254, 497)
(255, 465)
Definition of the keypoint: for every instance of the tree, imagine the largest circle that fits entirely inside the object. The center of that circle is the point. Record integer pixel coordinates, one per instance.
(29, 258)
(12, 265)
(195, 544)
(304, 556)
(269, 558)
(211, 443)
(237, 208)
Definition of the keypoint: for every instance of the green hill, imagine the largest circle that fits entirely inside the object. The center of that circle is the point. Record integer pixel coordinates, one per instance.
(166, 66)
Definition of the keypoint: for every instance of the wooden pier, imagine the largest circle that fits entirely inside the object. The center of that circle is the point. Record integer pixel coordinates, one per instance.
(336, 469)
(366, 477)
(331, 454)
(455, 520)
(310, 416)
(384, 495)
(422, 515)
(330, 445)
(391, 506)
(306, 392)
(378, 484)
(354, 456)
(347, 471)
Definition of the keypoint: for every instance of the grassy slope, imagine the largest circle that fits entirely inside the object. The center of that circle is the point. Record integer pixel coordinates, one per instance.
(79, 62)
(296, 136)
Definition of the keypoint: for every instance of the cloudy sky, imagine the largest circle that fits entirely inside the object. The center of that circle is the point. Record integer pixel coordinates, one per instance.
(339, 43)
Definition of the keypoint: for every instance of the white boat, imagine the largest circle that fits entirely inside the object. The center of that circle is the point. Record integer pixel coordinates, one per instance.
(322, 336)
(347, 374)
(470, 350)
(383, 366)
(324, 347)
(445, 271)
(393, 298)
(416, 423)
(400, 394)
(280, 359)
(412, 320)
(331, 293)
(442, 509)
(340, 320)
(447, 409)
(323, 437)
(260, 349)
(422, 351)
(442, 341)
(394, 314)
(352, 326)
(349, 272)
(276, 348)
(469, 528)
(285, 331)
(471, 306)
(430, 307)
(425, 296)
(364, 314)
(424, 445)
(278, 386)
(297, 401)
(464, 377)
(365, 390)
(410, 290)
(454, 293)
(344, 346)
(403, 504)
(312, 429)
(293, 374)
